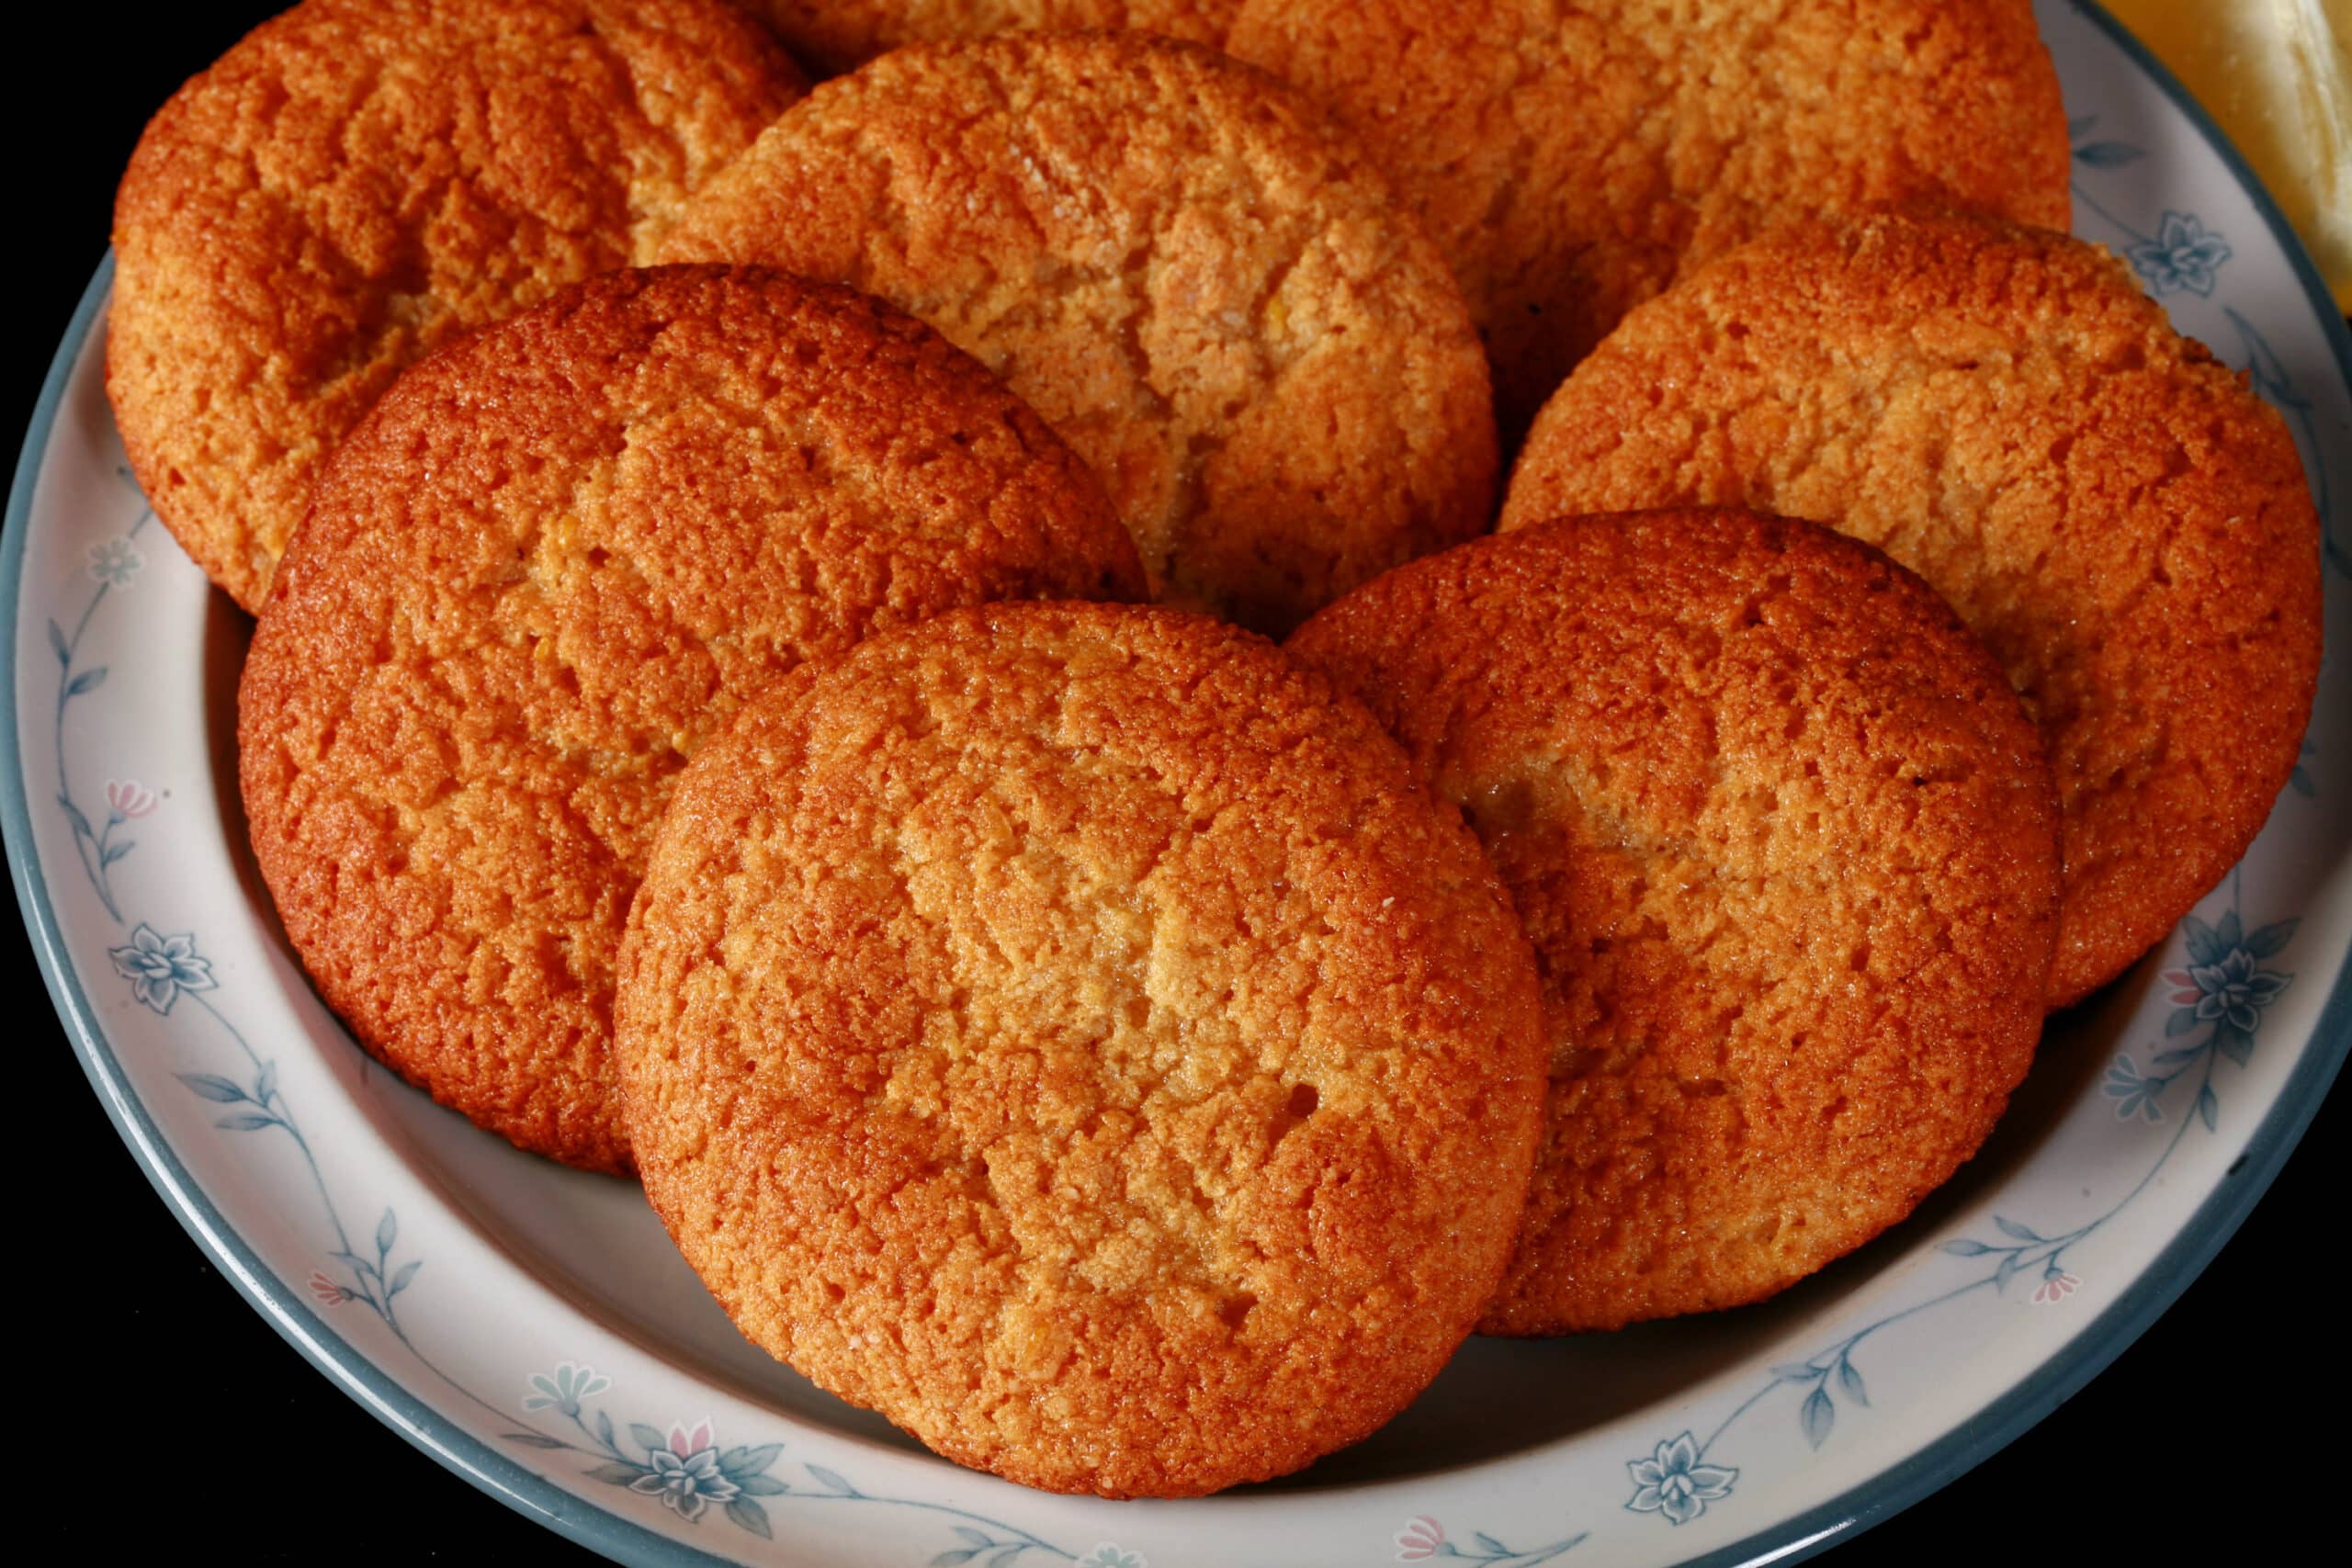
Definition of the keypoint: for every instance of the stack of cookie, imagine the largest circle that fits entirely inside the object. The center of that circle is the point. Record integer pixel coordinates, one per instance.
(761, 678)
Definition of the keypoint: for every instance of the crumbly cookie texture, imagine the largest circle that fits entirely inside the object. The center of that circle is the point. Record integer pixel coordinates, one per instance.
(840, 35)
(1069, 1031)
(2112, 510)
(557, 555)
(1573, 159)
(1172, 258)
(1785, 843)
(358, 180)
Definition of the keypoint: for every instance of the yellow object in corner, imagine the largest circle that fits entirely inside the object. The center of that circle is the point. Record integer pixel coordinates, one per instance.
(2278, 75)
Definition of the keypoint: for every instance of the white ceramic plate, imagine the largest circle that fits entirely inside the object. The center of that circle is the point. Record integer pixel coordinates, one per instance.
(532, 1328)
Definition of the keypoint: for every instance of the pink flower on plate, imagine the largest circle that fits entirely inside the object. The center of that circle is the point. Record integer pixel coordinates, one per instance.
(685, 1444)
(128, 798)
(1421, 1537)
(326, 1289)
(2055, 1288)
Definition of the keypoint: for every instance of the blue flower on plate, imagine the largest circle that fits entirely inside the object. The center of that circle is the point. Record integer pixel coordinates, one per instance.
(2234, 989)
(685, 1474)
(1108, 1555)
(2182, 255)
(1672, 1481)
(114, 561)
(160, 967)
(2134, 1092)
(2224, 984)
(564, 1390)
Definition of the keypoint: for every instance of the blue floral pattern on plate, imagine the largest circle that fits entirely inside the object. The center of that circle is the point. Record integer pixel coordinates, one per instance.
(2182, 255)
(2179, 255)
(2224, 991)
(115, 562)
(686, 1469)
(1673, 1483)
(160, 967)
(1423, 1538)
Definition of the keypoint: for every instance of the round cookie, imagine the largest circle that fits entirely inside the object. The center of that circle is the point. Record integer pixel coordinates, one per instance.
(558, 553)
(1068, 1030)
(1212, 297)
(1785, 843)
(840, 35)
(1574, 158)
(2003, 410)
(356, 181)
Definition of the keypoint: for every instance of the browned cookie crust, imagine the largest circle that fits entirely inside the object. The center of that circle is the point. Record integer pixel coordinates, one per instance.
(1068, 1030)
(839, 34)
(359, 179)
(558, 553)
(2111, 510)
(1786, 845)
(1573, 157)
(1174, 261)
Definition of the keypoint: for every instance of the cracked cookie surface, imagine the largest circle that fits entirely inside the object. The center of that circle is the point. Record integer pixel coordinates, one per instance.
(1069, 1031)
(1211, 296)
(557, 555)
(839, 34)
(1785, 844)
(357, 180)
(1573, 157)
(2002, 409)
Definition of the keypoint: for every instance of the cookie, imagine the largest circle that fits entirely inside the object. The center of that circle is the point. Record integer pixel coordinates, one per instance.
(840, 35)
(560, 553)
(2007, 414)
(1785, 843)
(1572, 160)
(1068, 1030)
(358, 180)
(1208, 295)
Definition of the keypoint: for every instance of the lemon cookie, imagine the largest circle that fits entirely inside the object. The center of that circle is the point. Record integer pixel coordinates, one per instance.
(1785, 843)
(1573, 157)
(357, 180)
(1068, 1030)
(1210, 296)
(837, 35)
(556, 557)
(2004, 411)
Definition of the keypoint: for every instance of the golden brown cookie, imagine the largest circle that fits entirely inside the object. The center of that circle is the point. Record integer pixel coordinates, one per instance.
(839, 34)
(1213, 298)
(2001, 409)
(1573, 157)
(1786, 845)
(558, 553)
(359, 179)
(1067, 1030)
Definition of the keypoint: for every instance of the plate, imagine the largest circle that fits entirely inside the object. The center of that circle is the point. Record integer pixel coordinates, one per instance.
(532, 1328)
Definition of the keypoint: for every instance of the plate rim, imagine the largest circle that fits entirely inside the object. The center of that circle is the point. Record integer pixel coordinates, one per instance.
(349, 1369)
(1869, 1502)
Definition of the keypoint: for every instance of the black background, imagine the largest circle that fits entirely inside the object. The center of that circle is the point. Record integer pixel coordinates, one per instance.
(2191, 1442)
